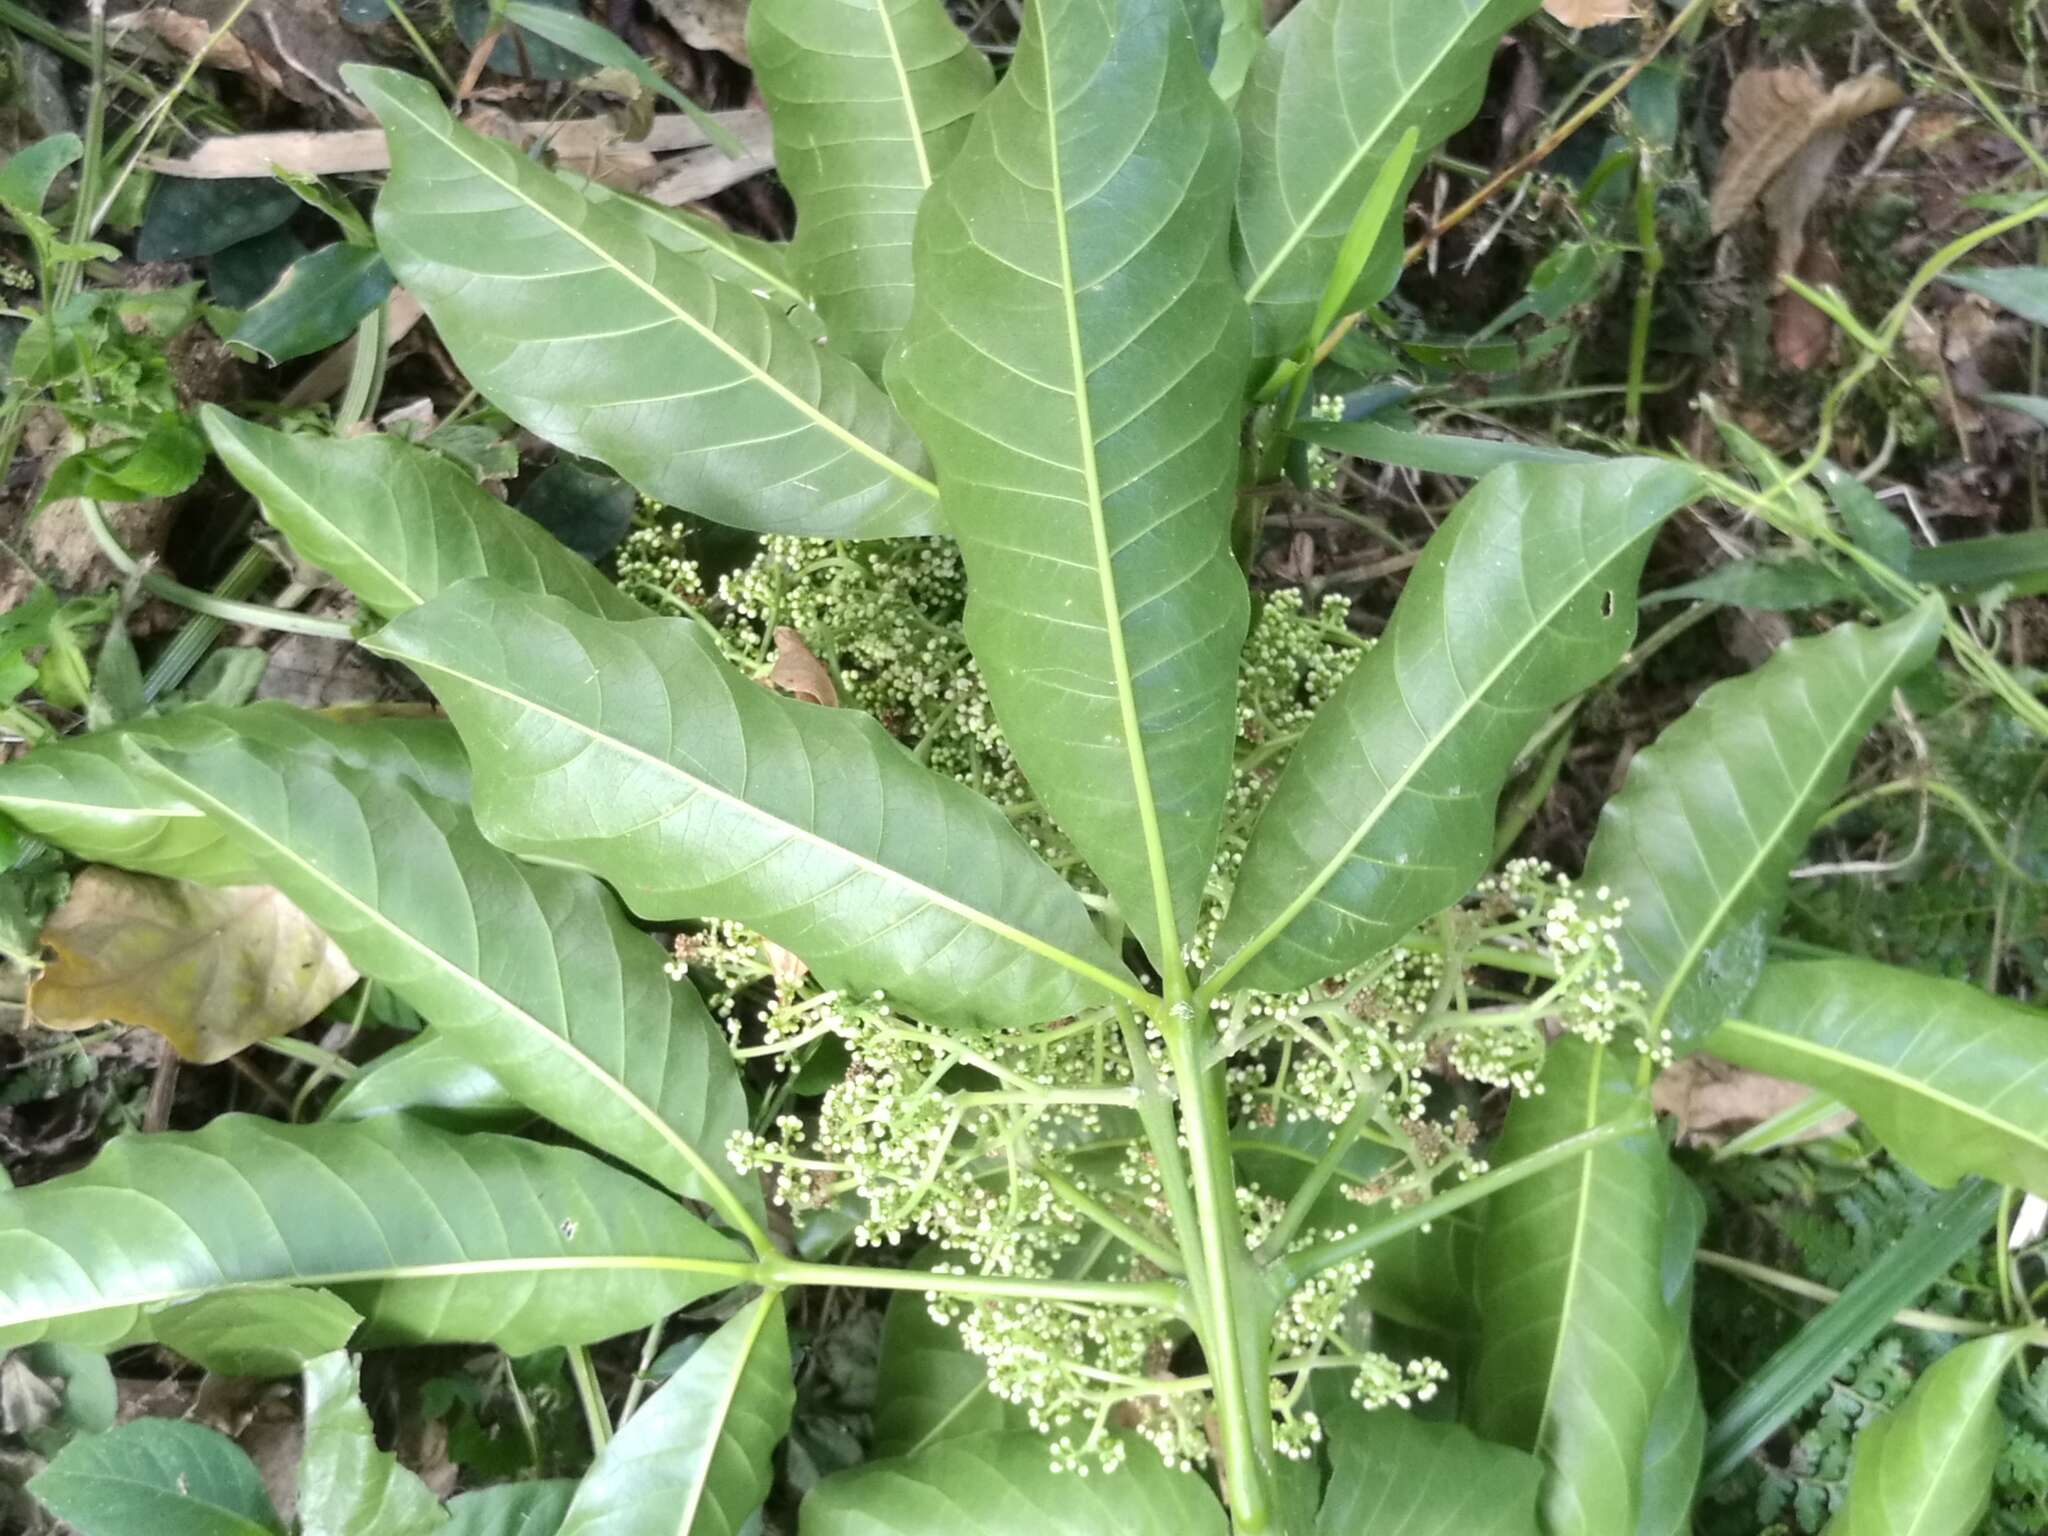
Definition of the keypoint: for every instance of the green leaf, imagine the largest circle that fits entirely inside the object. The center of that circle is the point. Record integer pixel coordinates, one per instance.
(577, 34)
(2015, 560)
(1004, 1484)
(396, 523)
(567, 316)
(429, 1077)
(162, 1476)
(2034, 407)
(26, 179)
(347, 1487)
(758, 266)
(870, 100)
(534, 972)
(1575, 1331)
(1714, 813)
(1075, 359)
(697, 1459)
(697, 793)
(1952, 1080)
(1926, 1467)
(83, 794)
(1951, 1227)
(1394, 1473)
(256, 1330)
(164, 460)
(1337, 84)
(1678, 1424)
(1875, 527)
(2023, 290)
(929, 1387)
(1779, 586)
(318, 302)
(433, 1238)
(516, 1509)
(1385, 813)
(1240, 34)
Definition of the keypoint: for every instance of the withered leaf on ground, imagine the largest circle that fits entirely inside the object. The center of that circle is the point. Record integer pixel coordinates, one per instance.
(213, 971)
(798, 672)
(1777, 116)
(1591, 13)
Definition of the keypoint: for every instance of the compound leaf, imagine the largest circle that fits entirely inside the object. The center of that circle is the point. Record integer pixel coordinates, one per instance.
(395, 523)
(84, 795)
(433, 1238)
(1001, 1484)
(1075, 358)
(1575, 1332)
(1385, 813)
(636, 752)
(535, 973)
(575, 322)
(163, 1476)
(697, 1459)
(1926, 1467)
(1703, 835)
(347, 1487)
(1952, 1080)
(870, 100)
(1330, 95)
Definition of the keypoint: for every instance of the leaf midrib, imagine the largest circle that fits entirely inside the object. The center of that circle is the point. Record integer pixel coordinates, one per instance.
(716, 1191)
(986, 921)
(1582, 1201)
(1696, 949)
(753, 370)
(1169, 958)
(887, 22)
(1312, 891)
(1391, 115)
(1866, 1067)
(701, 1483)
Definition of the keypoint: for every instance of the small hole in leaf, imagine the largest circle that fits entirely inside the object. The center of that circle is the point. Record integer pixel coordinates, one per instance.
(1607, 604)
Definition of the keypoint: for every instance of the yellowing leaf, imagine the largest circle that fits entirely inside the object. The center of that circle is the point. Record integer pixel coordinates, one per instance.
(211, 970)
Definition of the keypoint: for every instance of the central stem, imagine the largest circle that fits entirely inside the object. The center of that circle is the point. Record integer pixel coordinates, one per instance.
(1231, 1316)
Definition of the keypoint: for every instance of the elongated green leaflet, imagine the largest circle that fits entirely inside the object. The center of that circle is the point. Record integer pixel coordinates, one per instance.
(1003, 1484)
(1926, 1467)
(1704, 833)
(396, 523)
(636, 752)
(433, 1238)
(575, 322)
(698, 1458)
(1952, 1080)
(535, 973)
(1385, 813)
(1075, 359)
(1337, 84)
(1950, 1228)
(1575, 1334)
(83, 794)
(870, 100)
(347, 1487)
(1670, 1476)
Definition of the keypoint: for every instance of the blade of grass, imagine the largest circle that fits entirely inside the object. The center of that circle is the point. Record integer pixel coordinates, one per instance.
(1757, 1409)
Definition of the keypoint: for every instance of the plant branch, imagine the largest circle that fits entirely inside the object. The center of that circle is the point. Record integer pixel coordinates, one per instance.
(1311, 1262)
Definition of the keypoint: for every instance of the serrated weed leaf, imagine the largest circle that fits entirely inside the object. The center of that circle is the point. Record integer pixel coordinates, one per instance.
(606, 342)
(1075, 358)
(1385, 813)
(636, 752)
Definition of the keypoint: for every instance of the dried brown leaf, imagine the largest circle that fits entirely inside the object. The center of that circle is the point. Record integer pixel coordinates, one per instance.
(1591, 13)
(799, 673)
(1785, 127)
(717, 25)
(1713, 1099)
(211, 970)
(1801, 336)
